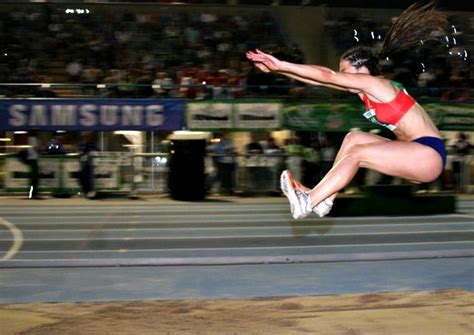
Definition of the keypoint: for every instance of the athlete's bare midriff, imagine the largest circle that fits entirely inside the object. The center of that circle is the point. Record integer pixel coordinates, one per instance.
(415, 124)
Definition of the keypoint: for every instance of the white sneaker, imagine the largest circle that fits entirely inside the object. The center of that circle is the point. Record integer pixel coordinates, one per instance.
(300, 202)
(323, 208)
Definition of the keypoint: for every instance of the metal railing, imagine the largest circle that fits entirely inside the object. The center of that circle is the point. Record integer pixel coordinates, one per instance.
(201, 91)
(147, 173)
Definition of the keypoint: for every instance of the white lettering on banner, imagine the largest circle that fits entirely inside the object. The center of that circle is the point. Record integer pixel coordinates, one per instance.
(63, 115)
(109, 115)
(132, 115)
(38, 116)
(88, 118)
(209, 115)
(258, 115)
(87, 115)
(456, 120)
(17, 118)
(154, 116)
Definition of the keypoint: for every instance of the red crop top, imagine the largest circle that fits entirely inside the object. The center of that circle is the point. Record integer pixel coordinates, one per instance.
(388, 113)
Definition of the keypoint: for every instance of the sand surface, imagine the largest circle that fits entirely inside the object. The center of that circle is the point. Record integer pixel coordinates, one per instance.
(447, 312)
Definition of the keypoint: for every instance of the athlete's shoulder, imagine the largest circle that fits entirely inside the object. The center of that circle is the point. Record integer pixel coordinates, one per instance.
(397, 84)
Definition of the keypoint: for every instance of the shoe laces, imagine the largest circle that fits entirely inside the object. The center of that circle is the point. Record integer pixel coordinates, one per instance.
(302, 197)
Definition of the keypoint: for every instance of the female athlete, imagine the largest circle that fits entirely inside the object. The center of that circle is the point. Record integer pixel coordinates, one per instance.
(418, 154)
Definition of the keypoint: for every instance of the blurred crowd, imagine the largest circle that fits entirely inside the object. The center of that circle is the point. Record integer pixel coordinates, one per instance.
(140, 51)
(135, 48)
(441, 68)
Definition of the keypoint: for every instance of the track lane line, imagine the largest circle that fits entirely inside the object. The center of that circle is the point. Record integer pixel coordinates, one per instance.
(17, 239)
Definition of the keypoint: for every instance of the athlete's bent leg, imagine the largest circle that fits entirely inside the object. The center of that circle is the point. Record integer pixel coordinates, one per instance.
(408, 160)
(352, 139)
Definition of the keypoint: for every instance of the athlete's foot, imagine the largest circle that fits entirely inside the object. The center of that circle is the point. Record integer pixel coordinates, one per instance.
(323, 208)
(295, 182)
(301, 186)
(300, 202)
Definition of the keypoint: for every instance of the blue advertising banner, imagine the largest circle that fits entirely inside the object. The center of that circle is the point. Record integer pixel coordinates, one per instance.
(91, 114)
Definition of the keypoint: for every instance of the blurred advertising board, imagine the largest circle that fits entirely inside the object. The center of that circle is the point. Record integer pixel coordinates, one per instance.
(243, 116)
(324, 116)
(344, 116)
(258, 115)
(452, 116)
(91, 114)
(209, 115)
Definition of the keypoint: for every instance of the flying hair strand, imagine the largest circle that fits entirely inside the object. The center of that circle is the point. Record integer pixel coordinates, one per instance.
(416, 23)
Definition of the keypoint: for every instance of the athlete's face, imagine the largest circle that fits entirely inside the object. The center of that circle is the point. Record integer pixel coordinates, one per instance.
(346, 67)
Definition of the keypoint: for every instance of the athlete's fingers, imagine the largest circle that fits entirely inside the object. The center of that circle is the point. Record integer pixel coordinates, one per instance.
(262, 67)
(266, 60)
(253, 55)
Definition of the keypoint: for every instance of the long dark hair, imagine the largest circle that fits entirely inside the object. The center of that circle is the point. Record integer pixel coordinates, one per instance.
(415, 24)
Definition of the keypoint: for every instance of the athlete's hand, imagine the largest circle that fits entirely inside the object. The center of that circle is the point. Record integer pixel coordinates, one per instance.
(263, 61)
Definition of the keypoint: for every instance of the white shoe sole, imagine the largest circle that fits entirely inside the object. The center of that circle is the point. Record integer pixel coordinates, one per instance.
(284, 182)
(289, 191)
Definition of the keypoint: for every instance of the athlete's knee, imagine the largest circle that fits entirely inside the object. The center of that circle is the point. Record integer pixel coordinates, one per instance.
(353, 138)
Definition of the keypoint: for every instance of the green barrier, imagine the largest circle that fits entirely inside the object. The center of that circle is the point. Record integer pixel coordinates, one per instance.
(59, 175)
(310, 115)
(52, 174)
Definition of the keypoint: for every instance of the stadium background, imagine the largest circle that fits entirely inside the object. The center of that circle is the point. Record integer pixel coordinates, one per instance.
(193, 52)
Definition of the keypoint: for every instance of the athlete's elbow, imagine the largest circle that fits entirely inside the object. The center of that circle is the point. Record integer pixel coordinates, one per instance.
(327, 78)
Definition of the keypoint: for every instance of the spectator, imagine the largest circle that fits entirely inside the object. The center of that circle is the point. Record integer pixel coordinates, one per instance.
(74, 70)
(32, 161)
(90, 77)
(254, 148)
(312, 163)
(272, 147)
(223, 155)
(55, 146)
(328, 155)
(163, 84)
(461, 149)
(86, 174)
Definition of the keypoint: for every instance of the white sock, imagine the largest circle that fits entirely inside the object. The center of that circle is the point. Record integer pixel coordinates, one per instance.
(323, 208)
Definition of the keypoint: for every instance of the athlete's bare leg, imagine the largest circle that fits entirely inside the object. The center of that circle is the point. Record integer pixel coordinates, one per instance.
(351, 139)
(408, 160)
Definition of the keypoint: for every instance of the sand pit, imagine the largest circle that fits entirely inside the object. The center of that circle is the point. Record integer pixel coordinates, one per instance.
(441, 312)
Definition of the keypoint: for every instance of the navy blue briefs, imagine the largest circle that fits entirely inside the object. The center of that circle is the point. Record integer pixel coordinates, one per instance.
(435, 143)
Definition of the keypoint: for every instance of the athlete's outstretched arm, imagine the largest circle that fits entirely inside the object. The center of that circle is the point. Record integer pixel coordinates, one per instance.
(268, 63)
(314, 74)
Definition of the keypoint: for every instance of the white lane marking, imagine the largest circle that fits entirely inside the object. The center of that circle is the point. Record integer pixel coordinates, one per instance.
(331, 246)
(235, 210)
(17, 239)
(242, 237)
(469, 216)
(308, 227)
(223, 219)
